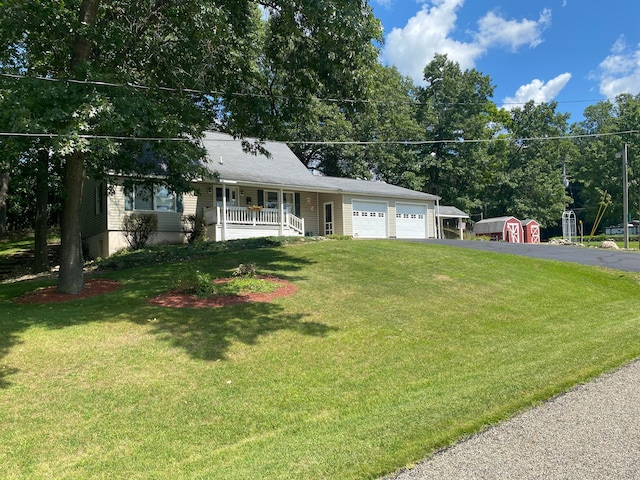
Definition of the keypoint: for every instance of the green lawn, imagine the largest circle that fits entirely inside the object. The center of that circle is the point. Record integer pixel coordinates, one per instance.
(387, 351)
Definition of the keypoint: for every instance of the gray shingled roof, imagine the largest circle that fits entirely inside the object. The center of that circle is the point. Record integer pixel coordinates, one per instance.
(451, 212)
(284, 169)
(491, 225)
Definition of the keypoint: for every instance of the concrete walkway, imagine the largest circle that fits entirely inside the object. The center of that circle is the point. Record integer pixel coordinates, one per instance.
(592, 432)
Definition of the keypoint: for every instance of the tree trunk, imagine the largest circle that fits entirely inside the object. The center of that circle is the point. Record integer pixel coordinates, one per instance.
(70, 279)
(41, 261)
(4, 193)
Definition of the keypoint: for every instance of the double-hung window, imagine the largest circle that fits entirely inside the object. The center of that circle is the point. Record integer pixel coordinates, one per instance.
(157, 198)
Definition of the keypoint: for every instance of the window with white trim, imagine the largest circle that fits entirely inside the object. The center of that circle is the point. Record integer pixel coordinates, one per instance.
(159, 199)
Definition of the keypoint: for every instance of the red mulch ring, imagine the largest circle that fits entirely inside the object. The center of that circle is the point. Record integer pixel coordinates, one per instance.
(178, 299)
(92, 288)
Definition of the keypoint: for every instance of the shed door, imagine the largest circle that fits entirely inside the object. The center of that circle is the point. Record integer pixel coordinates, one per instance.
(369, 219)
(411, 221)
(535, 234)
(513, 232)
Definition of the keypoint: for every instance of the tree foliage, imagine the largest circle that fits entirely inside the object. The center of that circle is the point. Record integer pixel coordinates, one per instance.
(197, 64)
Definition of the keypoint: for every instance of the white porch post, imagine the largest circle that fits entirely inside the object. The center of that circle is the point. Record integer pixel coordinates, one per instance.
(224, 212)
(281, 228)
(438, 220)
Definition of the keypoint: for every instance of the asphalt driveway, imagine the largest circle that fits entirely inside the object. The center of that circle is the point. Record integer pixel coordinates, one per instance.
(628, 261)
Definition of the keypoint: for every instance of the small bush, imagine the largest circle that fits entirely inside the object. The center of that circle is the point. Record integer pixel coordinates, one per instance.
(245, 270)
(197, 228)
(139, 228)
(195, 282)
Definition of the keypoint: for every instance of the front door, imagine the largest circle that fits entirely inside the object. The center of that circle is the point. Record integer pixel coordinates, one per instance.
(328, 218)
(231, 196)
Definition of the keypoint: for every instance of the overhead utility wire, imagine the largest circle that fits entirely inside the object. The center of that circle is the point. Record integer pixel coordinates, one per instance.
(258, 95)
(93, 137)
(325, 142)
(463, 140)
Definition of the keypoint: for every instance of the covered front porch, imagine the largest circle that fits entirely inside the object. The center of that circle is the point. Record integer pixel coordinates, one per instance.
(248, 222)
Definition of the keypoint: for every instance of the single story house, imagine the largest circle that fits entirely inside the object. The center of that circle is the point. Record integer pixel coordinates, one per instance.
(252, 195)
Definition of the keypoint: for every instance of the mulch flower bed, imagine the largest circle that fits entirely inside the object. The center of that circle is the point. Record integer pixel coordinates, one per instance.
(92, 288)
(177, 299)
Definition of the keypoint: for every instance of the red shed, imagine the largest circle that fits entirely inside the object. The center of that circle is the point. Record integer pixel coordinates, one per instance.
(508, 229)
(531, 230)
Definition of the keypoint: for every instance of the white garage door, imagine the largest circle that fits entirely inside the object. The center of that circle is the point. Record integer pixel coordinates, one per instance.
(411, 221)
(369, 219)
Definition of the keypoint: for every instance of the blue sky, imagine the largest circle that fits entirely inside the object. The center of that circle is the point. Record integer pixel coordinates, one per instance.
(575, 52)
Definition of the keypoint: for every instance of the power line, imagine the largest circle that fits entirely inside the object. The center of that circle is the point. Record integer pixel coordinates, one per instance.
(220, 93)
(327, 142)
(93, 137)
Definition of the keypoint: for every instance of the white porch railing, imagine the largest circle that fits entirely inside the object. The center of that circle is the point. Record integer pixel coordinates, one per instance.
(254, 217)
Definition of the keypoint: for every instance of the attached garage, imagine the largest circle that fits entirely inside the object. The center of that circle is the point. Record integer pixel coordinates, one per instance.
(369, 219)
(411, 221)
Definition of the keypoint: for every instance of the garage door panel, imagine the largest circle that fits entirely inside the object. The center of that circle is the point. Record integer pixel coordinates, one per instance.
(411, 221)
(369, 219)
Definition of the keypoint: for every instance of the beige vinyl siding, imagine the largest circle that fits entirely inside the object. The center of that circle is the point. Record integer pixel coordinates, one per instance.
(310, 210)
(167, 221)
(338, 213)
(431, 220)
(93, 221)
(391, 219)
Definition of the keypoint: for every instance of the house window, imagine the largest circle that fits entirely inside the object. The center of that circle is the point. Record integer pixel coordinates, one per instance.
(272, 200)
(231, 196)
(159, 198)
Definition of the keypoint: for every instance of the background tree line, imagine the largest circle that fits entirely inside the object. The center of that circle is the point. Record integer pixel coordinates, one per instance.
(89, 79)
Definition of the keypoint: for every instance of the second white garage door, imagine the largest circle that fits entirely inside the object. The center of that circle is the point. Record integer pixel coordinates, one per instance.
(411, 221)
(369, 219)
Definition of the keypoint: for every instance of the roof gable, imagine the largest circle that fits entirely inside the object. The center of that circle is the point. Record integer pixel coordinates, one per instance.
(227, 158)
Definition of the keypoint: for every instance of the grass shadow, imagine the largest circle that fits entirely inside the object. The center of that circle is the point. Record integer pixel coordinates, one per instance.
(204, 334)
(208, 333)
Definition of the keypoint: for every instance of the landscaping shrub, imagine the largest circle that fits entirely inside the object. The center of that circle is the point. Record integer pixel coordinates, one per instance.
(197, 228)
(195, 282)
(245, 270)
(139, 228)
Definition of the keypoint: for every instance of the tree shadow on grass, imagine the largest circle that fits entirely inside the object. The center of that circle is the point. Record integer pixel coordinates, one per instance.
(203, 333)
(208, 333)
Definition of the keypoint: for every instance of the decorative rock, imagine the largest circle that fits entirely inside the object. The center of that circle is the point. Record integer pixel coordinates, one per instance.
(609, 244)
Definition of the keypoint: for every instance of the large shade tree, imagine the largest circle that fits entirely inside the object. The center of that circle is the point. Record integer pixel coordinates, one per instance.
(165, 72)
(455, 106)
(530, 166)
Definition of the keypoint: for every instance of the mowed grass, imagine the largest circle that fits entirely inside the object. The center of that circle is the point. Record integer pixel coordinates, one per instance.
(387, 352)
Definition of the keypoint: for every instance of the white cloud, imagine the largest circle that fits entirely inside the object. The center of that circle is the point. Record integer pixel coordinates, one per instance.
(431, 30)
(538, 91)
(620, 71)
(499, 32)
(384, 3)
